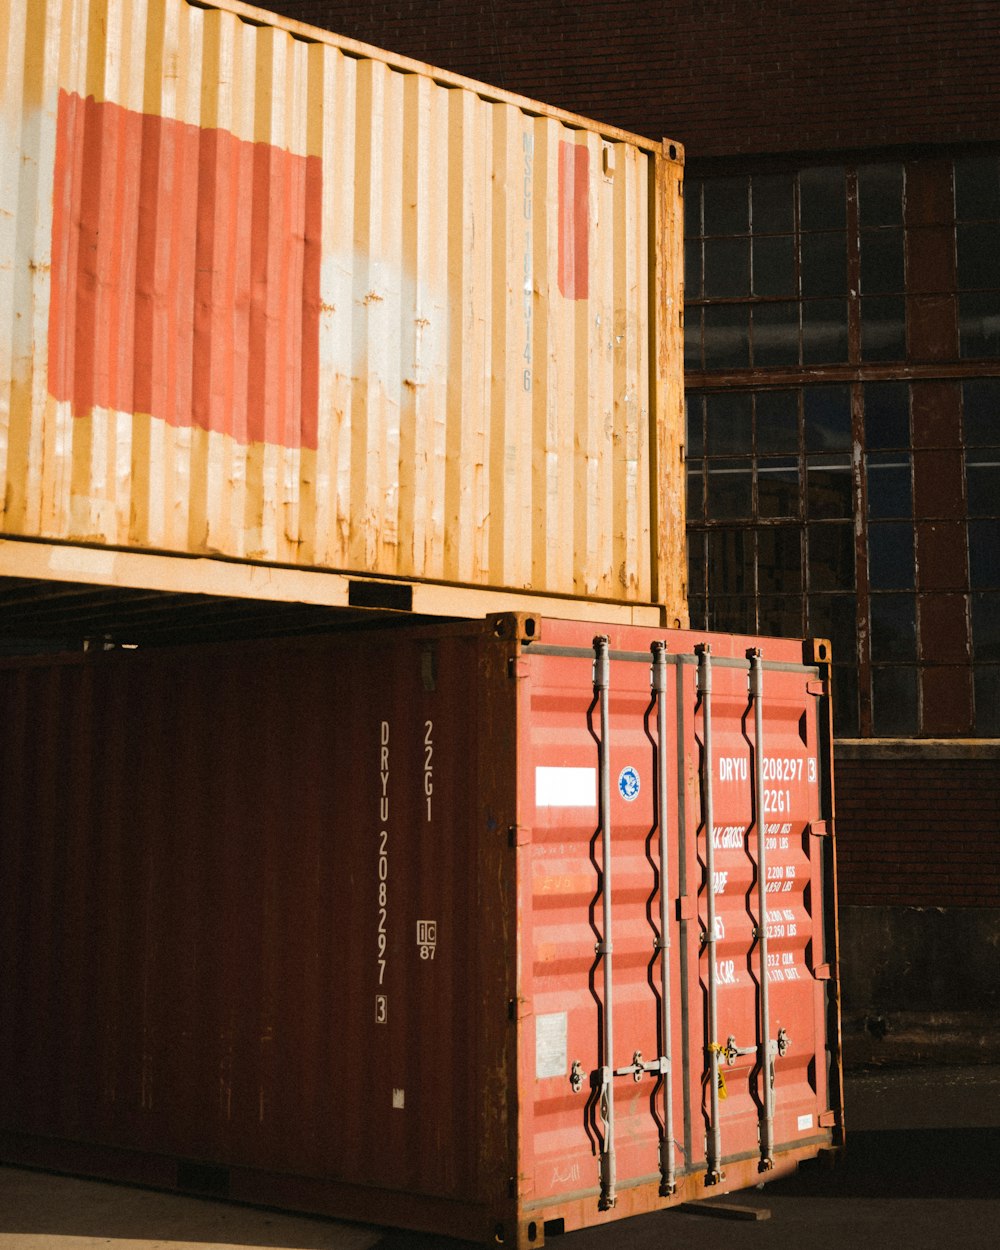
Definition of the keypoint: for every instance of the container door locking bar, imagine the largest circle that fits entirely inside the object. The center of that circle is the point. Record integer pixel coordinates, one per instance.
(659, 690)
(604, 947)
(763, 1005)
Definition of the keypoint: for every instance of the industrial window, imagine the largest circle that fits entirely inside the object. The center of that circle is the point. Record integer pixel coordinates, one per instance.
(843, 447)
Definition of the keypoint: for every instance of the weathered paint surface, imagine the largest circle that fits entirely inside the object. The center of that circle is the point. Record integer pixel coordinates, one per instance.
(321, 915)
(275, 296)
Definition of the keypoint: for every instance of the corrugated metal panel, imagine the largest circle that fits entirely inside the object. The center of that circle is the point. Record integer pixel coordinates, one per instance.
(305, 923)
(275, 296)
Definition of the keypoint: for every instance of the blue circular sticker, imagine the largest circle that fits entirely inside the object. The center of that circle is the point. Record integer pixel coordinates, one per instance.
(628, 783)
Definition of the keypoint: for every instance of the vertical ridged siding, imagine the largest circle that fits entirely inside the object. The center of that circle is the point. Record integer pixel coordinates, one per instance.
(272, 298)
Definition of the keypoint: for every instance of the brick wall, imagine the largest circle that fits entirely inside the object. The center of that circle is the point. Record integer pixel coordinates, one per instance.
(724, 77)
(918, 831)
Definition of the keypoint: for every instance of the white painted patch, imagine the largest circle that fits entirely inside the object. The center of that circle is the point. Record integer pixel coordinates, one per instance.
(550, 1044)
(805, 1123)
(398, 1099)
(565, 787)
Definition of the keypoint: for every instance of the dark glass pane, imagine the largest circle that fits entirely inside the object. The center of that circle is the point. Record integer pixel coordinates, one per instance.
(730, 615)
(887, 414)
(692, 208)
(978, 257)
(977, 188)
(730, 489)
(883, 328)
(845, 701)
(979, 324)
(824, 332)
(727, 339)
(774, 265)
(986, 627)
(780, 616)
(894, 627)
(772, 200)
(730, 563)
(890, 492)
(779, 560)
(829, 487)
(778, 487)
(692, 268)
(894, 701)
(882, 262)
(880, 195)
(831, 557)
(698, 612)
(824, 264)
(777, 421)
(696, 547)
(982, 474)
(727, 268)
(727, 208)
(729, 423)
(984, 554)
(692, 338)
(827, 418)
(833, 617)
(695, 491)
(822, 199)
(695, 410)
(776, 334)
(981, 412)
(890, 556)
(988, 702)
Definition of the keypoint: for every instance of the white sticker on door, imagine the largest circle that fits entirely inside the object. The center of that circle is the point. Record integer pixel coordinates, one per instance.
(550, 1045)
(565, 787)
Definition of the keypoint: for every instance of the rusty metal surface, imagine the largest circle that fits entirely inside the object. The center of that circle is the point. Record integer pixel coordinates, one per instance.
(298, 921)
(275, 296)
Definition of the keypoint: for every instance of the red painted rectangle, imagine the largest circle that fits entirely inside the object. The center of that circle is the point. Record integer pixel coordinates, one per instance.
(574, 220)
(185, 275)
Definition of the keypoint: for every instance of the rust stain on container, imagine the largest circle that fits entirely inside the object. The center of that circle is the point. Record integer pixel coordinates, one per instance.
(279, 297)
(321, 923)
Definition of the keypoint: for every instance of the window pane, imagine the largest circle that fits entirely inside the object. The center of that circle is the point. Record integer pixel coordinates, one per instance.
(986, 627)
(778, 487)
(730, 565)
(829, 487)
(695, 491)
(824, 332)
(981, 412)
(727, 268)
(698, 612)
(831, 557)
(692, 268)
(890, 556)
(776, 334)
(730, 489)
(822, 199)
(889, 486)
(883, 328)
(692, 208)
(692, 338)
(988, 702)
(894, 627)
(880, 195)
(984, 553)
(881, 262)
(727, 338)
(695, 411)
(774, 265)
(828, 418)
(727, 208)
(780, 616)
(978, 256)
(977, 188)
(729, 423)
(731, 615)
(833, 617)
(777, 421)
(824, 264)
(779, 561)
(979, 324)
(845, 701)
(697, 565)
(772, 203)
(982, 472)
(887, 414)
(894, 701)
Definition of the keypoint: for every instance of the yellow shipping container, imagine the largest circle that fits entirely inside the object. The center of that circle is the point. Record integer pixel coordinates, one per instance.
(273, 296)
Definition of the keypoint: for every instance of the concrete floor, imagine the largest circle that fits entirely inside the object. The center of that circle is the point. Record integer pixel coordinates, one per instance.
(922, 1171)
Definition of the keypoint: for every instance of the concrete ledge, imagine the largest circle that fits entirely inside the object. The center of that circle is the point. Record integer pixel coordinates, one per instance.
(916, 749)
(906, 1038)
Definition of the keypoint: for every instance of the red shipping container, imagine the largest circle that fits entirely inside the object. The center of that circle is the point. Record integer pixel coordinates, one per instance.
(423, 925)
